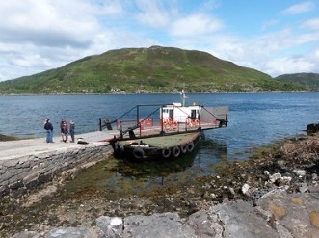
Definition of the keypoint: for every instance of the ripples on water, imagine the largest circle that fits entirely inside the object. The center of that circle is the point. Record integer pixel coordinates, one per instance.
(254, 119)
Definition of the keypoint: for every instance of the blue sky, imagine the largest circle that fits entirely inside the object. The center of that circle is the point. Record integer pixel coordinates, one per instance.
(273, 36)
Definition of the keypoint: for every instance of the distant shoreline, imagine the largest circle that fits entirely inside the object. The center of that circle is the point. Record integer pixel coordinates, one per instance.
(122, 93)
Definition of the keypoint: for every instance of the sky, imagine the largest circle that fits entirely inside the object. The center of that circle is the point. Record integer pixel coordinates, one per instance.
(273, 36)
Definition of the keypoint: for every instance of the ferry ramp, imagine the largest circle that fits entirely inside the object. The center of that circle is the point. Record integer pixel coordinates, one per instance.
(9, 149)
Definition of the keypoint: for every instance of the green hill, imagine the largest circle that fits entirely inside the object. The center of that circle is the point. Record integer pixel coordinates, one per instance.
(309, 80)
(153, 69)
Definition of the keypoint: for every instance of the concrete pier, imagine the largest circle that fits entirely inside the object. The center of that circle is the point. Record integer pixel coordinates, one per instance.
(26, 164)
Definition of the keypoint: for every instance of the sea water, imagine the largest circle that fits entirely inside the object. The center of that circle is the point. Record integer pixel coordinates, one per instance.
(254, 119)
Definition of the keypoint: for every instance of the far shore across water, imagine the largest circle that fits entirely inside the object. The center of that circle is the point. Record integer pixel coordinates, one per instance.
(175, 92)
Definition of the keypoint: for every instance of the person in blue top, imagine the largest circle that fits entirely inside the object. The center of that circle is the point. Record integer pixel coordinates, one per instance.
(49, 131)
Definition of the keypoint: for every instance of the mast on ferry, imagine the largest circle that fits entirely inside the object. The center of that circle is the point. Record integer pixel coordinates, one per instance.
(183, 97)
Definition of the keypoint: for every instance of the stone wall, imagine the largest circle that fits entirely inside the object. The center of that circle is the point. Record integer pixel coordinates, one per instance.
(21, 173)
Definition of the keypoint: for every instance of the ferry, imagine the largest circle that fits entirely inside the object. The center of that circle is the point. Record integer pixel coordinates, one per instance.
(165, 132)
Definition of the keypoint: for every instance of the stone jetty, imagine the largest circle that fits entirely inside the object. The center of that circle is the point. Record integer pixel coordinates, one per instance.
(26, 164)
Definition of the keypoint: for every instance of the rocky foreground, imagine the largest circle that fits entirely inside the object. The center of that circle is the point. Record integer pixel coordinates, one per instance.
(274, 194)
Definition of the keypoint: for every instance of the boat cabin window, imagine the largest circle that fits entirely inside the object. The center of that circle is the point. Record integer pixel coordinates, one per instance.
(168, 113)
(171, 113)
(193, 114)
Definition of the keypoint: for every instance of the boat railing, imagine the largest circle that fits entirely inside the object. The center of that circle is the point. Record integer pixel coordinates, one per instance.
(208, 118)
(148, 126)
(125, 124)
(106, 123)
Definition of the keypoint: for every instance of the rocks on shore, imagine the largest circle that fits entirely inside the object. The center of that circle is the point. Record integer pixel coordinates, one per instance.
(274, 194)
(277, 214)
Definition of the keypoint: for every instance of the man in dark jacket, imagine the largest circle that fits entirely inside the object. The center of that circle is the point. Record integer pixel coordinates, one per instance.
(49, 131)
(72, 126)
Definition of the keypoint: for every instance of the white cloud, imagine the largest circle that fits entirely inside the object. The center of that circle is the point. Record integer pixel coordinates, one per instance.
(196, 24)
(111, 7)
(288, 65)
(155, 13)
(45, 23)
(156, 19)
(312, 23)
(269, 24)
(276, 53)
(300, 8)
(31, 60)
(39, 35)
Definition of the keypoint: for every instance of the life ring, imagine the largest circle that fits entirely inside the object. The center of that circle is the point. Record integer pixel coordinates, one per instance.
(149, 121)
(184, 148)
(138, 152)
(166, 152)
(174, 125)
(190, 147)
(166, 123)
(176, 151)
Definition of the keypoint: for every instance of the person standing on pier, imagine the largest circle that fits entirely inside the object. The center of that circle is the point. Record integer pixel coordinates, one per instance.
(49, 131)
(65, 132)
(61, 127)
(71, 130)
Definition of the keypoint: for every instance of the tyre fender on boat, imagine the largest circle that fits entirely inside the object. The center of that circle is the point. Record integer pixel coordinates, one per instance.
(138, 152)
(190, 147)
(166, 152)
(184, 148)
(176, 151)
(118, 148)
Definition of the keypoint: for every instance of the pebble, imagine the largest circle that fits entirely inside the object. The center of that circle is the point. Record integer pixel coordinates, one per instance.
(245, 189)
(303, 188)
(299, 172)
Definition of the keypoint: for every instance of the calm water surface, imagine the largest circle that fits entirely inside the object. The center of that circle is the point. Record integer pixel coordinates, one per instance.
(254, 119)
